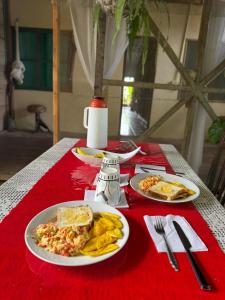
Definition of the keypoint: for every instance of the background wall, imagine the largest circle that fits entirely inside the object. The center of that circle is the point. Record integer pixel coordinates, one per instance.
(37, 14)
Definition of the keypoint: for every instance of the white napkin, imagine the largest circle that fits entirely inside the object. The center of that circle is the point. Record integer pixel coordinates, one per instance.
(141, 168)
(90, 195)
(172, 236)
(124, 179)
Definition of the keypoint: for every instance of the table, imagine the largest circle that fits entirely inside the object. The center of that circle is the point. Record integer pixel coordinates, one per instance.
(15, 188)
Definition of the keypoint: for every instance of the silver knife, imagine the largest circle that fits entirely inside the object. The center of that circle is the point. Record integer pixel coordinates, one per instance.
(149, 169)
(187, 245)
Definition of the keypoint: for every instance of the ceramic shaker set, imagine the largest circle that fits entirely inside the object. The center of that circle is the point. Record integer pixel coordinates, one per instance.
(108, 184)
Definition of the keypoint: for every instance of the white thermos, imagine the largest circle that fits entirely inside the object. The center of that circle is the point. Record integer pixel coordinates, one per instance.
(96, 122)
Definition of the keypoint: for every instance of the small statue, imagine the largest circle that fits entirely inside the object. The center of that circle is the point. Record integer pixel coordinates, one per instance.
(18, 67)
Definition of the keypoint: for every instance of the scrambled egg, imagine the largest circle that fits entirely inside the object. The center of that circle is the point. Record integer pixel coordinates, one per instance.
(72, 241)
(148, 182)
(67, 241)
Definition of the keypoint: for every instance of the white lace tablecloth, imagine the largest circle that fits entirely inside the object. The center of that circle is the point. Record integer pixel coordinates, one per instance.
(12, 191)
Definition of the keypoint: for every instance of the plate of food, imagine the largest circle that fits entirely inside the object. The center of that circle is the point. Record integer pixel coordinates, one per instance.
(165, 188)
(94, 156)
(77, 233)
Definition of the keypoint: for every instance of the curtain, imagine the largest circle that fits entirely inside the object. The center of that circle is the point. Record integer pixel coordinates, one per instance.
(85, 40)
(214, 54)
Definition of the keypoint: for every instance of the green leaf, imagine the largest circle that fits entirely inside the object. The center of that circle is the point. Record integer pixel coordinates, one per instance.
(96, 14)
(118, 16)
(147, 32)
(216, 131)
(146, 24)
(133, 29)
(138, 6)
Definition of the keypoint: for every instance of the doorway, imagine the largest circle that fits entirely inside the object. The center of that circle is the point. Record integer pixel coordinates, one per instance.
(137, 102)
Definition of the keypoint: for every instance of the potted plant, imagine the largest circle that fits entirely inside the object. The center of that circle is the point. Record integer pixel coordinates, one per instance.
(216, 130)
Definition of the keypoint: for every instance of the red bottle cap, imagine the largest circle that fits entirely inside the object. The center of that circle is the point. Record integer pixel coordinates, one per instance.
(98, 102)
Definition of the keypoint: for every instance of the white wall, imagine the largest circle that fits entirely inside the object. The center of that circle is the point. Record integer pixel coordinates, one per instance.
(33, 13)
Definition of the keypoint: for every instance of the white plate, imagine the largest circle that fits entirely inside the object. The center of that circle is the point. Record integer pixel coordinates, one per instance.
(166, 177)
(97, 161)
(81, 260)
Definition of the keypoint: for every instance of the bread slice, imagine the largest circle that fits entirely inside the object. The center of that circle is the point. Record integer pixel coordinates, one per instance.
(166, 190)
(74, 216)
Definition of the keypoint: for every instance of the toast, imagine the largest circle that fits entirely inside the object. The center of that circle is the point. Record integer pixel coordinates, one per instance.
(74, 216)
(167, 191)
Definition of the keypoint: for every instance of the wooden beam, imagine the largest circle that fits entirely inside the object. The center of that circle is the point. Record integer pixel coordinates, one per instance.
(55, 24)
(184, 73)
(213, 74)
(163, 119)
(165, 45)
(161, 86)
(99, 64)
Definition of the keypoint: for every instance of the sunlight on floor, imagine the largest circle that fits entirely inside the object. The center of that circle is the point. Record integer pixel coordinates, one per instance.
(125, 121)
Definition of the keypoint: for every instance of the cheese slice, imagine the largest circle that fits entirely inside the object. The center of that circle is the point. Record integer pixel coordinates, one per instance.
(166, 190)
(74, 216)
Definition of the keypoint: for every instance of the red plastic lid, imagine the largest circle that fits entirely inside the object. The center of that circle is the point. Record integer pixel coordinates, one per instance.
(98, 102)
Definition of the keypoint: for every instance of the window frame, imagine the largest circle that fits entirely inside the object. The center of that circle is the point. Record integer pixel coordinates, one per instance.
(69, 61)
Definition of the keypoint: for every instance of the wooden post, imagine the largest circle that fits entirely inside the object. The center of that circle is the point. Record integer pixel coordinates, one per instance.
(10, 103)
(200, 59)
(99, 64)
(188, 127)
(207, 6)
(55, 19)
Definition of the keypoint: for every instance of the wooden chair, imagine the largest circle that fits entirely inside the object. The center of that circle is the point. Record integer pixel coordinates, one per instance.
(216, 177)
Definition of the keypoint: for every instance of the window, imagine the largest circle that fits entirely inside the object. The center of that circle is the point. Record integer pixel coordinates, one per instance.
(36, 54)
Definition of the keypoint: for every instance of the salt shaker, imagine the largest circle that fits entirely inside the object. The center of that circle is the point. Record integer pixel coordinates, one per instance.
(111, 161)
(108, 186)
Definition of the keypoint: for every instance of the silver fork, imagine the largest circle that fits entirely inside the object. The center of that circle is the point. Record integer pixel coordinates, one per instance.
(131, 142)
(160, 230)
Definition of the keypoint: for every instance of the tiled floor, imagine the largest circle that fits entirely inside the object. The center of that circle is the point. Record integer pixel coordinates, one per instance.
(17, 149)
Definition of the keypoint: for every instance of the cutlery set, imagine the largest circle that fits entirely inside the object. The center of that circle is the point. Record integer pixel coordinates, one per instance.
(159, 228)
(149, 169)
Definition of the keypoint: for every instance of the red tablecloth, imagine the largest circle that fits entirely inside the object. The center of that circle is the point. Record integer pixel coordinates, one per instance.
(136, 272)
